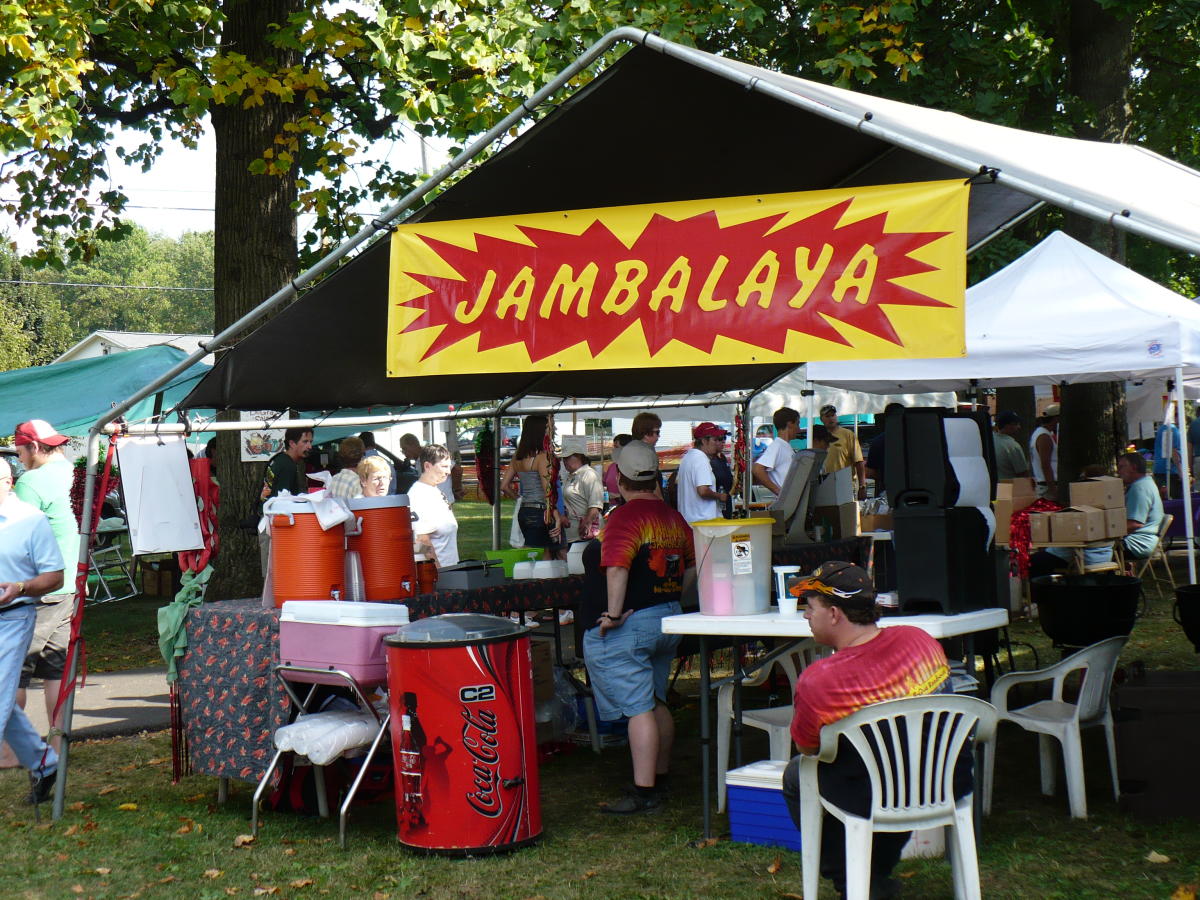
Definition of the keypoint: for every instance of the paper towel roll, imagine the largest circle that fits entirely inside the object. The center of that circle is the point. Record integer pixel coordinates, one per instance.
(965, 450)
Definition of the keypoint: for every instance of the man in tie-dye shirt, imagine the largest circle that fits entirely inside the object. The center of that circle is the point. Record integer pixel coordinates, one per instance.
(635, 575)
(871, 664)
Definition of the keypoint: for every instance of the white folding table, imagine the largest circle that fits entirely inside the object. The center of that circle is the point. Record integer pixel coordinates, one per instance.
(772, 624)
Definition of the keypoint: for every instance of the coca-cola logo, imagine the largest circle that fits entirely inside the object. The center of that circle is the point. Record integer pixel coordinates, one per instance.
(479, 738)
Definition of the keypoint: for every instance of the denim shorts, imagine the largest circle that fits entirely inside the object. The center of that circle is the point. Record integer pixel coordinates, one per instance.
(630, 665)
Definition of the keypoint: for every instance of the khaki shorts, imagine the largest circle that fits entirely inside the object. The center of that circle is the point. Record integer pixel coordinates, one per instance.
(47, 654)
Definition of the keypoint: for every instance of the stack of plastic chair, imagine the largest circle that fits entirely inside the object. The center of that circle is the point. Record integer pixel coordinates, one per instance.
(910, 748)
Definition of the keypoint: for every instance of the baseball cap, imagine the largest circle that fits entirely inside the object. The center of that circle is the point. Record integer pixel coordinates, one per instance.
(840, 583)
(1051, 411)
(828, 408)
(637, 461)
(38, 431)
(708, 429)
(1008, 417)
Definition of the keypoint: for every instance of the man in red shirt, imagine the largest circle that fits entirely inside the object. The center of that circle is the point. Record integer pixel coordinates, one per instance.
(871, 664)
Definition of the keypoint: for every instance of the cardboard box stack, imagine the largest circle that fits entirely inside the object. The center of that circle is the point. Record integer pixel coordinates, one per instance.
(1105, 494)
(1011, 497)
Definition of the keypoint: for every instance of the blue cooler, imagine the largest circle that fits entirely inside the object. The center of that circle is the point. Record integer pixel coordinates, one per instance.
(757, 813)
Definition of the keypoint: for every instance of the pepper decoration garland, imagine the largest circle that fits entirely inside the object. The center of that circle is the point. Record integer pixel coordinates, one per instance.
(1018, 543)
(552, 489)
(739, 453)
(485, 461)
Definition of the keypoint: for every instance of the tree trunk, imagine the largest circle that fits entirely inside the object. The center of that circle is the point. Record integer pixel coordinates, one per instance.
(1092, 429)
(255, 254)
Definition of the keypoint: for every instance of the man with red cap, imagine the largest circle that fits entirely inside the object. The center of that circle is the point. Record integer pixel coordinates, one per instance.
(46, 485)
(697, 496)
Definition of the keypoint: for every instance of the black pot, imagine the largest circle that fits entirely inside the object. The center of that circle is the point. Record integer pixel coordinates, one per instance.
(1080, 610)
(1187, 612)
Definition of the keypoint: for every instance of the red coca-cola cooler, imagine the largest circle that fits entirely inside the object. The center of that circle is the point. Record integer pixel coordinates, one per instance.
(461, 694)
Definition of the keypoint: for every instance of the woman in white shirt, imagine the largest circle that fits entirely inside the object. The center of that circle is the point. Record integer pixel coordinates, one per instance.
(434, 527)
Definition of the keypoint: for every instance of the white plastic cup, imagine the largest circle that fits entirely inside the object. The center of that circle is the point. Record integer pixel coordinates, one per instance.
(355, 589)
(787, 605)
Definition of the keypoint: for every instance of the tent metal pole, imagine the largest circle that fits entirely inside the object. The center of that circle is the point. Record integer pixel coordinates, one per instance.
(85, 528)
(1185, 465)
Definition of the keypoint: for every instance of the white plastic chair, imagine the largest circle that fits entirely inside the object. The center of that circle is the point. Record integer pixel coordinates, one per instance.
(912, 784)
(1055, 718)
(776, 721)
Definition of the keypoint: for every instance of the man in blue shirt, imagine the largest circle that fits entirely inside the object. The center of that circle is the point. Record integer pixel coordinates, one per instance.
(1168, 465)
(1143, 506)
(31, 566)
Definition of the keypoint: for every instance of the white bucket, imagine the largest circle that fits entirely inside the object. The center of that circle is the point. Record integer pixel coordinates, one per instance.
(734, 559)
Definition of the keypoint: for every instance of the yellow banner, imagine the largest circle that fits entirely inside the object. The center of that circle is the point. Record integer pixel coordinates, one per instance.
(863, 273)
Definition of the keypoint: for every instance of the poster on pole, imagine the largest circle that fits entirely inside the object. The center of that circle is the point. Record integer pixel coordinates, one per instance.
(260, 444)
(854, 273)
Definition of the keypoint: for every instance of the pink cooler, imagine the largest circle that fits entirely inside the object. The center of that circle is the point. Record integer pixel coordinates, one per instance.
(319, 634)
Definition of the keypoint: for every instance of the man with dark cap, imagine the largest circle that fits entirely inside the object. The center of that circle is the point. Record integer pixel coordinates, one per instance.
(1010, 455)
(846, 452)
(871, 664)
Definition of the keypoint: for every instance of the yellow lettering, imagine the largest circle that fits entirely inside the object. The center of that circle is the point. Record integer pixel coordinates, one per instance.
(760, 280)
(630, 273)
(517, 295)
(673, 284)
(858, 281)
(485, 292)
(705, 300)
(809, 276)
(569, 289)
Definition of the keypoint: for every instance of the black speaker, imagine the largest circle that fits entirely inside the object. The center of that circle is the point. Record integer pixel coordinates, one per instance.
(944, 561)
(919, 473)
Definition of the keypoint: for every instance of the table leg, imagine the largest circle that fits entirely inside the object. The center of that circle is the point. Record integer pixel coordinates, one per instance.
(362, 771)
(222, 790)
(705, 739)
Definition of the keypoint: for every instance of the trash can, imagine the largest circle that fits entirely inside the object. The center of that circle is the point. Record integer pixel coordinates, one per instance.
(1079, 610)
(1187, 612)
(463, 743)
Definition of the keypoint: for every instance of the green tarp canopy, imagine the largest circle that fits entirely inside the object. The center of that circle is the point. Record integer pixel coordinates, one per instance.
(71, 396)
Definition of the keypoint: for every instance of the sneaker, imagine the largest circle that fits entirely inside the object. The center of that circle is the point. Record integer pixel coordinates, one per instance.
(41, 788)
(633, 804)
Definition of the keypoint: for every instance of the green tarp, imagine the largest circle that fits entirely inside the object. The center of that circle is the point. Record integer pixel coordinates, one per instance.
(71, 396)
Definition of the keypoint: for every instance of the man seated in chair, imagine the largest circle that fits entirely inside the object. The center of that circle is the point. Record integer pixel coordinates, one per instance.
(871, 664)
(1143, 506)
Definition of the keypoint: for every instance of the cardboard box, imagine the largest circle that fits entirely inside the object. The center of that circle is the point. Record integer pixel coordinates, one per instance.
(1003, 509)
(835, 488)
(1076, 524)
(1039, 527)
(843, 519)
(1104, 492)
(1018, 491)
(541, 651)
(1114, 522)
(872, 522)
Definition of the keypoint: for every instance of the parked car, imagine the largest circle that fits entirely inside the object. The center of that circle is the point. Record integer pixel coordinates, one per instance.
(510, 434)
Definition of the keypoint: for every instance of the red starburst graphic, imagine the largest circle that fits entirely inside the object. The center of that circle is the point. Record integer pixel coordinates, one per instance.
(688, 280)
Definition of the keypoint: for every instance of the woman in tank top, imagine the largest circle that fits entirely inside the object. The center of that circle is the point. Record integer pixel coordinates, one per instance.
(531, 476)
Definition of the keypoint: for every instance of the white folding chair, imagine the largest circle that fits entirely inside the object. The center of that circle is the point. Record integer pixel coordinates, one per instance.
(912, 784)
(776, 721)
(1055, 718)
(1158, 555)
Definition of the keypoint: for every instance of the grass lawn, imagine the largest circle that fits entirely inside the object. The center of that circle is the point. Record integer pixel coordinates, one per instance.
(129, 833)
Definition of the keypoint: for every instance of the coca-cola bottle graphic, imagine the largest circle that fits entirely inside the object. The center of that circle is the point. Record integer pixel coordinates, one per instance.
(412, 742)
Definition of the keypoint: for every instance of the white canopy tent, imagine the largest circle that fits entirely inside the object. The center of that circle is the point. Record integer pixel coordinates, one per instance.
(1060, 314)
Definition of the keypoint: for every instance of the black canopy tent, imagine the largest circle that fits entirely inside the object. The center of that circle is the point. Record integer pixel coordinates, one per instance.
(650, 128)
